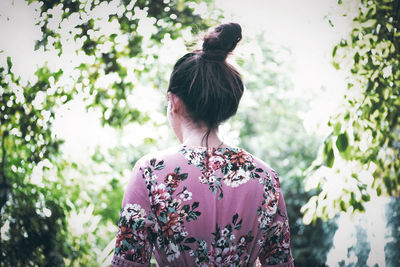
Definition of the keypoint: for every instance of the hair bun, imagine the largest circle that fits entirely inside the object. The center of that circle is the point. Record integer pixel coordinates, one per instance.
(222, 40)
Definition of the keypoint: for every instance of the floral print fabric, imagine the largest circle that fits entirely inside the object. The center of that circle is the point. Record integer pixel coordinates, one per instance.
(197, 206)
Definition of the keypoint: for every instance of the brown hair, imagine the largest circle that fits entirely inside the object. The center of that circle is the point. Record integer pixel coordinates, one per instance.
(209, 87)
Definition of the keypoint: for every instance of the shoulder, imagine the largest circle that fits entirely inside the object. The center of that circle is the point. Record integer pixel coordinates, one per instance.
(148, 167)
(267, 167)
(260, 163)
(158, 156)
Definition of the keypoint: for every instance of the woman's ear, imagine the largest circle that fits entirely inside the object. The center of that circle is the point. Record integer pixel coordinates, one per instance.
(175, 102)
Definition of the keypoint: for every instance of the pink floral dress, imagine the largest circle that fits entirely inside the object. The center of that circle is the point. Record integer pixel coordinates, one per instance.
(197, 206)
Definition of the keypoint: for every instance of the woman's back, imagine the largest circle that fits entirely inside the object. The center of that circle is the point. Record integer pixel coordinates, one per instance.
(203, 206)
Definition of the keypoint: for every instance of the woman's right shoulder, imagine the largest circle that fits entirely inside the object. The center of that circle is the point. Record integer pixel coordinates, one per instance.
(264, 165)
(261, 164)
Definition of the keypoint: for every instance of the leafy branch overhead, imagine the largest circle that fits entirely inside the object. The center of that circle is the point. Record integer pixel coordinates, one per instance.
(361, 157)
(115, 42)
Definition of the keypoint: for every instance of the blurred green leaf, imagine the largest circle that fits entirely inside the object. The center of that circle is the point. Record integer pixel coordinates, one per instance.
(342, 142)
(329, 157)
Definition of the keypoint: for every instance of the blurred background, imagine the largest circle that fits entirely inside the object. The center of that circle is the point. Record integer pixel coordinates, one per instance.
(83, 95)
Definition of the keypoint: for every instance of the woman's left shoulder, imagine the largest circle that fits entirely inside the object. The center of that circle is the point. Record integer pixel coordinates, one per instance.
(159, 155)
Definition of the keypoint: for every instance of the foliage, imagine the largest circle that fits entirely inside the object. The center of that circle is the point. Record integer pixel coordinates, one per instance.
(117, 42)
(271, 127)
(103, 47)
(32, 219)
(361, 156)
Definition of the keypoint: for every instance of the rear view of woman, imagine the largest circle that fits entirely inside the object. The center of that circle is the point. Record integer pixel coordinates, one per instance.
(203, 203)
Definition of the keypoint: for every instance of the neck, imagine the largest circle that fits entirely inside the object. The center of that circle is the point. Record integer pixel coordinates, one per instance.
(196, 137)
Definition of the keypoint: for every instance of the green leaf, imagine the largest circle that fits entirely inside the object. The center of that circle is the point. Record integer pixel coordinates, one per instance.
(9, 64)
(366, 197)
(185, 247)
(370, 86)
(343, 206)
(190, 240)
(337, 128)
(234, 218)
(152, 162)
(336, 65)
(356, 58)
(334, 51)
(369, 23)
(379, 191)
(328, 155)
(388, 183)
(177, 170)
(186, 208)
(160, 166)
(342, 142)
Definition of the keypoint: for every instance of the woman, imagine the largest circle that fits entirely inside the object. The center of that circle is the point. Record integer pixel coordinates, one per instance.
(203, 203)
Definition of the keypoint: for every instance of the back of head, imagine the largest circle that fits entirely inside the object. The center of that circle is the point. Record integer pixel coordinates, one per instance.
(209, 87)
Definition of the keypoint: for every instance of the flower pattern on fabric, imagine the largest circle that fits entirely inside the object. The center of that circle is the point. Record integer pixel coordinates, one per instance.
(276, 246)
(162, 208)
(268, 209)
(236, 166)
(226, 249)
(132, 238)
(169, 213)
